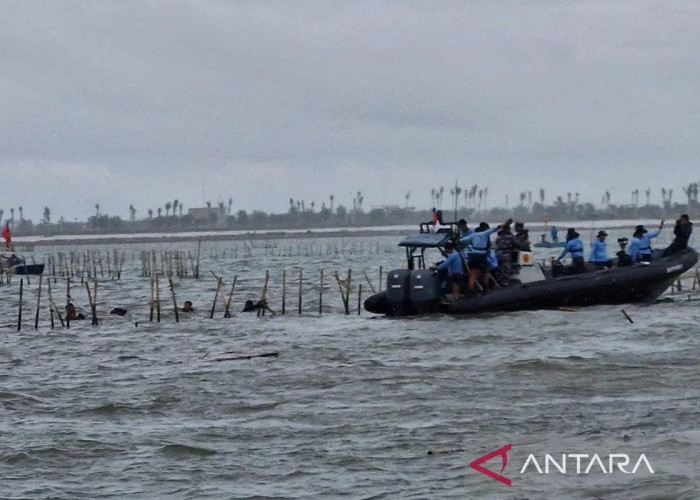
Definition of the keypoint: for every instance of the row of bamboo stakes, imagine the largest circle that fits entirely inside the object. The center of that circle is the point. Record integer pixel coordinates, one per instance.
(155, 301)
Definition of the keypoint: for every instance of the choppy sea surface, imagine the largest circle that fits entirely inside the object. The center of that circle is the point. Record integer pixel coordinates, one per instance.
(352, 404)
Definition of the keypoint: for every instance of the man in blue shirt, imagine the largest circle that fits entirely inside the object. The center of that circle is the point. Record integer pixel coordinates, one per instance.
(454, 266)
(554, 234)
(574, 245)
(599, 252)
(480, 244)
(640, 246)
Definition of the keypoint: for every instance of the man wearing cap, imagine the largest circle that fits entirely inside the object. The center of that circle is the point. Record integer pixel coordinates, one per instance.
(462, 228)
(599, 252)
(640, 245)
(681, 233)
(574, 245)
(454, 266)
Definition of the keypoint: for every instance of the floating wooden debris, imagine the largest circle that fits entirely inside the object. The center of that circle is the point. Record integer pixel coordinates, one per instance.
(232, 356)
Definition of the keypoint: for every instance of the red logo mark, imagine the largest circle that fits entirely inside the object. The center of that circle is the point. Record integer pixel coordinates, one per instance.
(503, 452)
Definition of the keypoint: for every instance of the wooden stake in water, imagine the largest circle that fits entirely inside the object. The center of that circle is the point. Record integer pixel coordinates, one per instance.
(153, 291)
(53, 307)
(93, 307)
(199, 248)
(172, 293)
(263, 295)
(219, 282)
(359, 299)
(320, 295)
(38, 305)
(157, 298)
(67, 302)
(284, 290)
(300, 280)
(227, 309)
(19, 314)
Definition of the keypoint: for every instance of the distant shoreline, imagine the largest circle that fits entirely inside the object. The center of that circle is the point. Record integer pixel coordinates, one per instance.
(65, 240)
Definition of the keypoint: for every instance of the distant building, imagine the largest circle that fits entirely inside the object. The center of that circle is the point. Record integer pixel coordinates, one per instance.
(214, 214)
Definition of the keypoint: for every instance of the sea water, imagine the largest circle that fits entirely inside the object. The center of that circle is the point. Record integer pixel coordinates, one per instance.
(352, 404)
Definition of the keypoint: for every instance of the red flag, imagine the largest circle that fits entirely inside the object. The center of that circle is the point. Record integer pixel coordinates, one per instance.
(6, 234)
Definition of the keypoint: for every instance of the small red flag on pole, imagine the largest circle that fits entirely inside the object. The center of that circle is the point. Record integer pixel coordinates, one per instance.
(6, 234)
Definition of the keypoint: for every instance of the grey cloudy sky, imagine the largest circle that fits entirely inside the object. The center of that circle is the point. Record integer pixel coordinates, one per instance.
(142, 102)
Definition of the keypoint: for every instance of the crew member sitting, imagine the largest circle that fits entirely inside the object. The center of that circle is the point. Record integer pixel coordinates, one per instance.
(599, 252)
(574, 245)
(455, 268)
(640, 247)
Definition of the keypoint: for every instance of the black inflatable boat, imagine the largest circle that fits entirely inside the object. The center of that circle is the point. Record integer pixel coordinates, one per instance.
(417, 290)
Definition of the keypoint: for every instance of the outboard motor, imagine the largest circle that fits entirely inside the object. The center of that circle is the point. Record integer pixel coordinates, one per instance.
(425, 291)
(398, 293)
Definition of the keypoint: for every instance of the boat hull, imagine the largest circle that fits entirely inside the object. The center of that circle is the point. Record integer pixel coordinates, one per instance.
(26, 269)
(620, 285)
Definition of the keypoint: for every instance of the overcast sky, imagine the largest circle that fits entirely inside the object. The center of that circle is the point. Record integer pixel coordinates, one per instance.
(142, 102)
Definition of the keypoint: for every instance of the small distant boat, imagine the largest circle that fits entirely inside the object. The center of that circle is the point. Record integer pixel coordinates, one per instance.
(18, 265)
(549, 244)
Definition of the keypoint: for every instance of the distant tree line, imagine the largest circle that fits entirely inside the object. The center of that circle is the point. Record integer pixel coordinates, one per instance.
(470, 203)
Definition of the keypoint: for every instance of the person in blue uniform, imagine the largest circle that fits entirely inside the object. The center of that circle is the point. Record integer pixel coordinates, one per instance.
(574, 246)
(462, 228)
(599, 252)
(479, 245)
(681, 232)
(455, 268)
(640, 246)
(554, 233)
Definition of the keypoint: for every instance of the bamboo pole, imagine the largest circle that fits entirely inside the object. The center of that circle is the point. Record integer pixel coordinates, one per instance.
(38, 304)
(227, 310)
(284, 290)
(320, 295)
(219, 282)
(300, 291)
(359, 299)
(93, 309)
(67, 302)
(19, 314)
(263, 295)
(172, 293)
(152, 301)
(199, 248)
(53, 307)
(157, 297)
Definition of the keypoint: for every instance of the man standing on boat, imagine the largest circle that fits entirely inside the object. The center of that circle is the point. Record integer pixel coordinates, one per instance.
(681, 233)
(480, 245)
(640, 246)
(599, 252)
(454, 266)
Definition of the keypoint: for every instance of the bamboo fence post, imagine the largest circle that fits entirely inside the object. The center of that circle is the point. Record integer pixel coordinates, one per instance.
(320, 295)
(93, 309)
(347, 292)
(359, 299)
(199, 248)
(219, 282)
(153, 291)
(157, 297)
(19, 314)
(263, 295)
(67, 302)
(380, 276)
(54, 307)
(172, 293)
(227, 310)
(300, 291)
(284, 290)
(38, 305)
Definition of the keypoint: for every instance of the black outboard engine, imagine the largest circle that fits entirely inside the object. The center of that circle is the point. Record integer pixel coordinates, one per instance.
(398, 294)
(425, 291)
